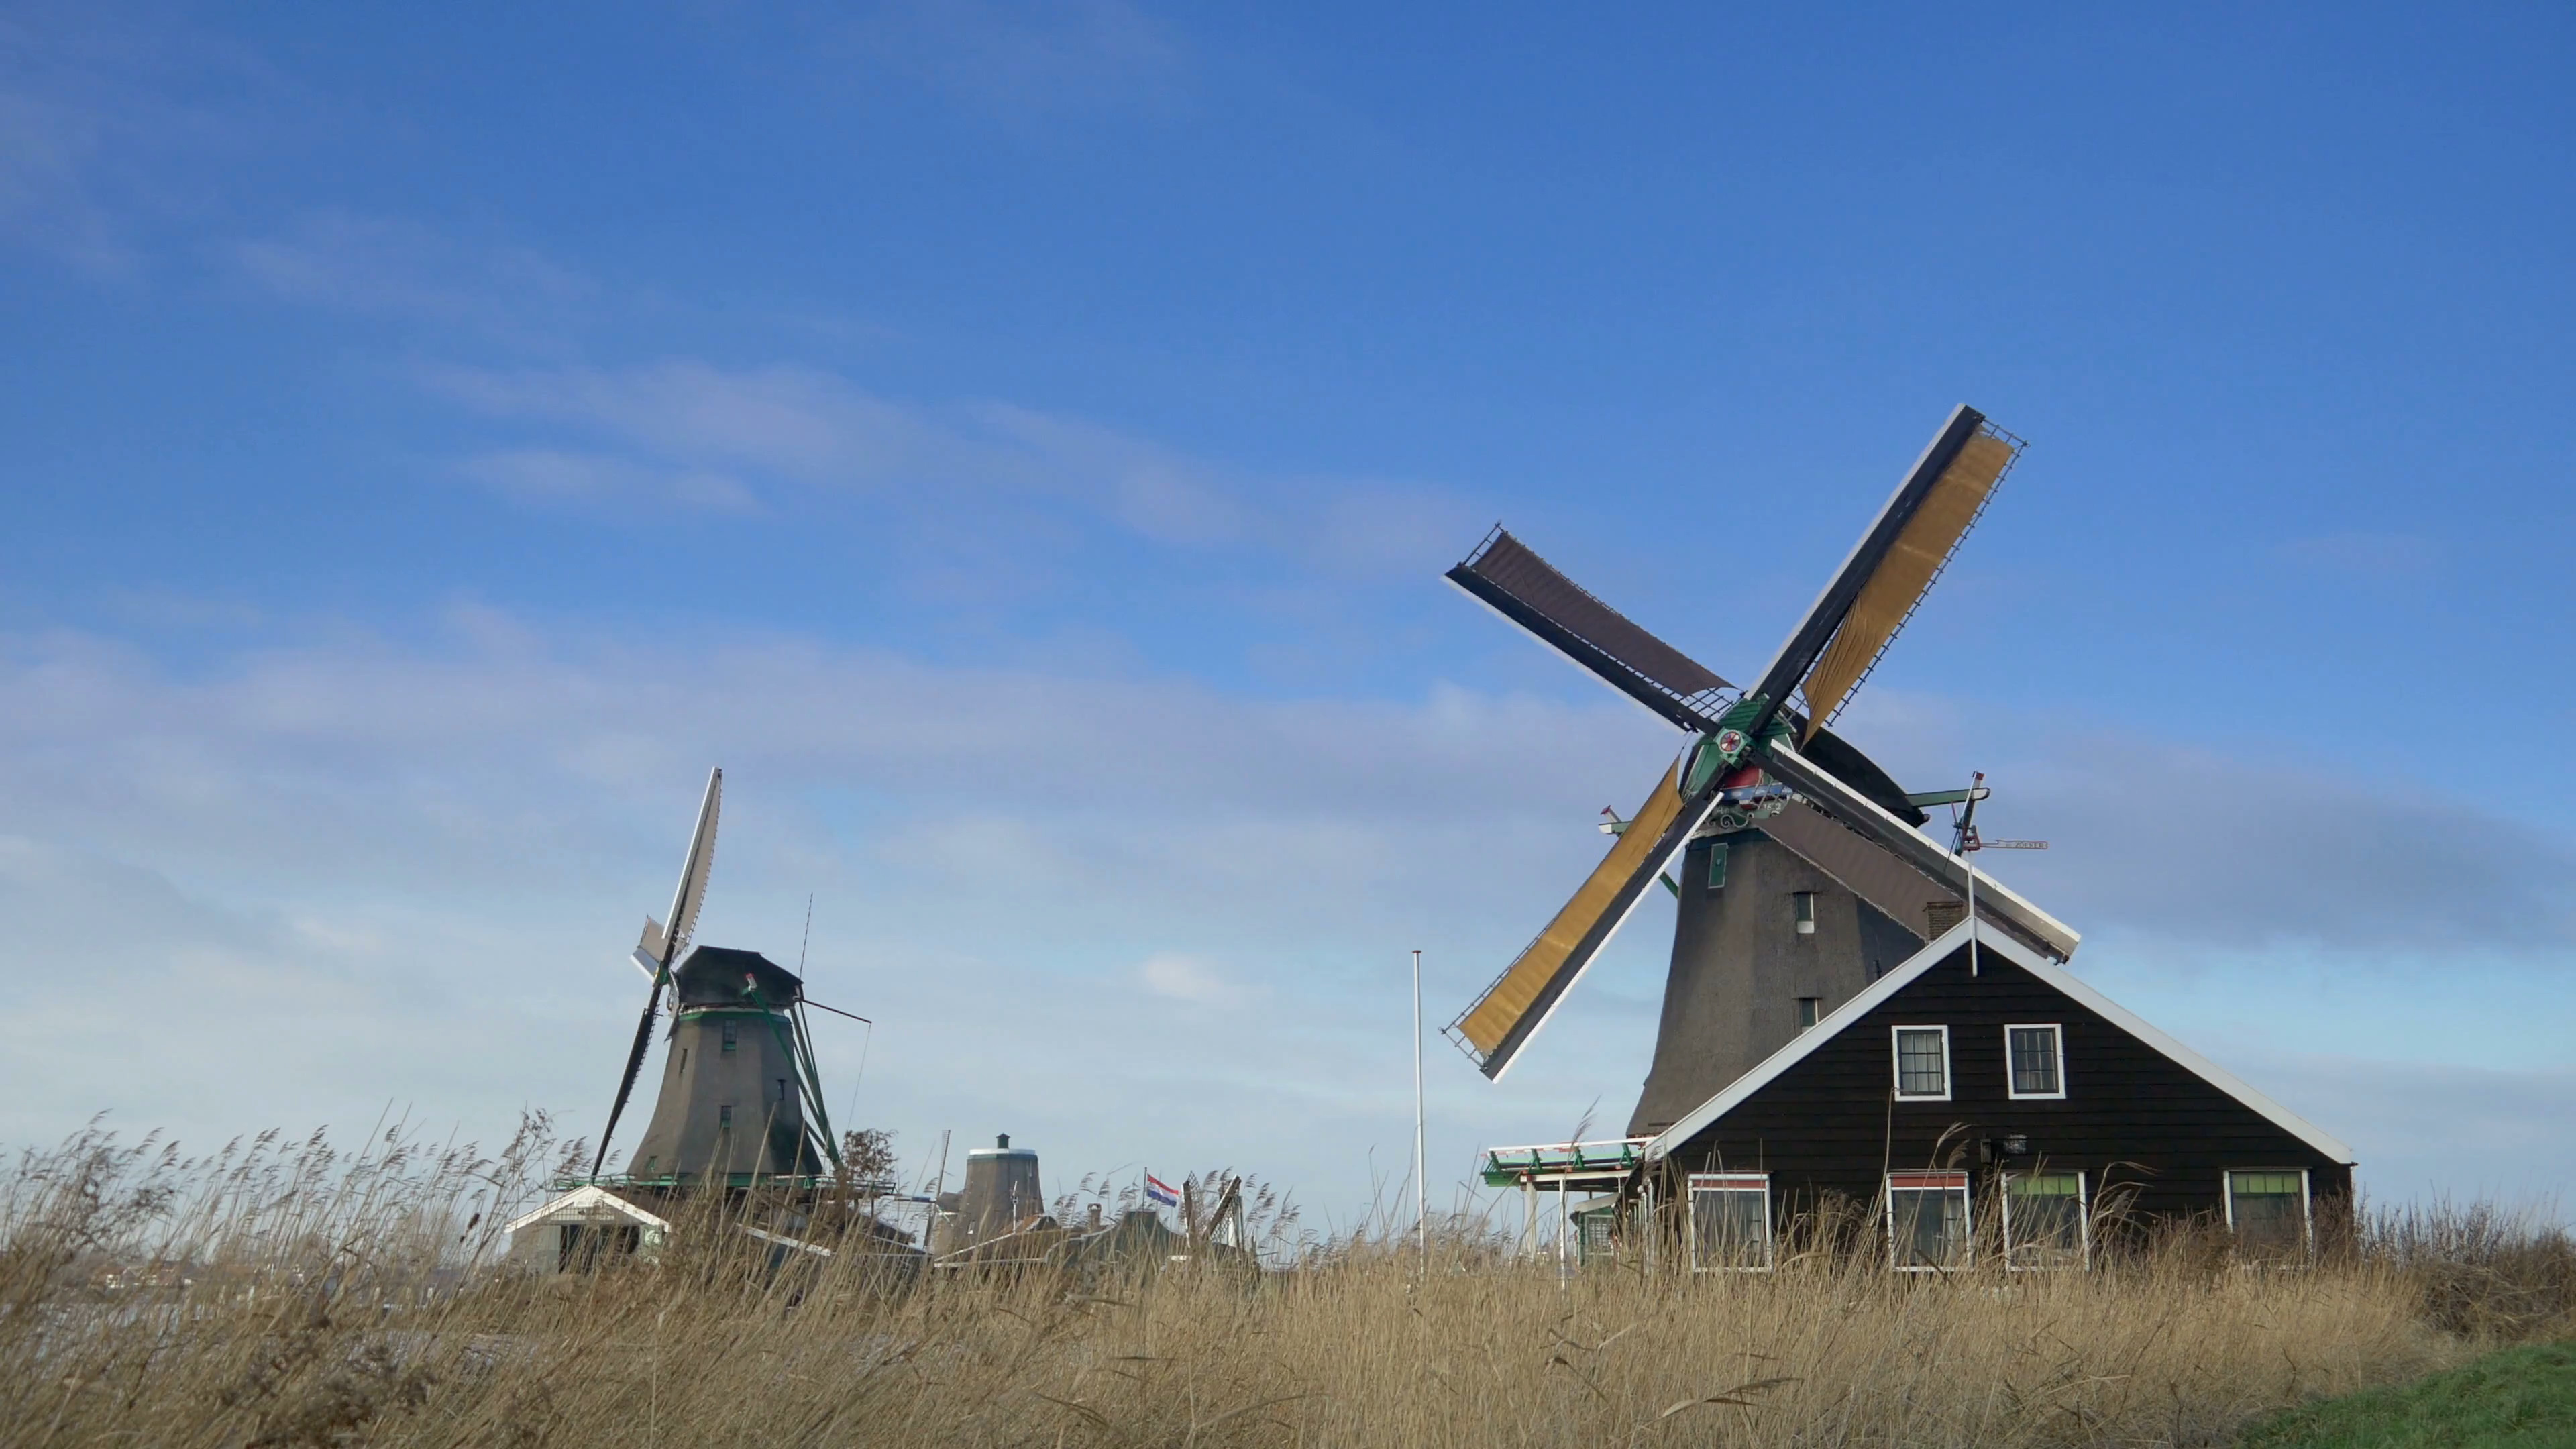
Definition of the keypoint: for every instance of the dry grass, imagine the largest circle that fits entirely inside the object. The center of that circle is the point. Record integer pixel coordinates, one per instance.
(322, 1304)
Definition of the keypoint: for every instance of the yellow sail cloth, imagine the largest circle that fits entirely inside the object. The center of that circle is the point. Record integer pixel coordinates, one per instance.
(1902, 576)
(1503, 1005)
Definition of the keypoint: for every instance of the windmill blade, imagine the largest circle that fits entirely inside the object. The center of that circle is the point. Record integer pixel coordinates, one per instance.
(1994, 901)
(1520, 1001)
(664, 946)
(1507, 577)
(634, 1066)
(1890, 569)
(692, 890)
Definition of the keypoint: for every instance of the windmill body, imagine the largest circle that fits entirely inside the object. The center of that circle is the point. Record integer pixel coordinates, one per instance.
(730, 1103)
(740, 1097)
(1745, 978)
(1803, 875)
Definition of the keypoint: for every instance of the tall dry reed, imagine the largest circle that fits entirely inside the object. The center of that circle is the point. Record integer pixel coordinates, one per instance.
(283, 1294)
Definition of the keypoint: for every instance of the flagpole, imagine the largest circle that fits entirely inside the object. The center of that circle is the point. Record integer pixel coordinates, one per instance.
(1421, 1183)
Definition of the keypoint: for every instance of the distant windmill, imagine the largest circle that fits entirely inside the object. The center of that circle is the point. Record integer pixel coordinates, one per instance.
(1802, 870)
(740, 1095)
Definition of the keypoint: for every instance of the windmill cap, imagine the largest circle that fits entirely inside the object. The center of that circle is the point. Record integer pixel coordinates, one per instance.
(716, 976)
(1002, 1148)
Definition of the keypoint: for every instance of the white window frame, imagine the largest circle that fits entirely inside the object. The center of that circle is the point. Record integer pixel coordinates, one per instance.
(2083, 1219)
(1731, 1182)
(1896, 1063)
(2307, 1204)
(1957, 1182)
(2057, 1035)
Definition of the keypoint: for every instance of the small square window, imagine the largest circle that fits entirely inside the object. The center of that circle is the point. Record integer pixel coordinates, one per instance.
(1730, 1221)
(2036, 1060)
(1927, 1221)
(2044, 1221)
(1808, 1010)
(1923, 1063)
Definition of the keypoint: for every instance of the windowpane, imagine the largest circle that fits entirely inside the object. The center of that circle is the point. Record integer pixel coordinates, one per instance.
(1730, 1223)
(2044, 1219)
(2034, 1061)
(1931, 1226)
(1921, 1068)
(2269, 1210)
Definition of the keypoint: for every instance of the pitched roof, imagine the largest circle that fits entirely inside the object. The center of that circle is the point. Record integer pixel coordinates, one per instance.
(592, 1204)
(2050, 974)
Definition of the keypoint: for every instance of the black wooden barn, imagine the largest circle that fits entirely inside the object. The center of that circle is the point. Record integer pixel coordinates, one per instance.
(1990, 1102)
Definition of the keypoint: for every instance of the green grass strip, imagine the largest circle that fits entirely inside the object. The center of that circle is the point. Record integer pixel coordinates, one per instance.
(2521, 1398)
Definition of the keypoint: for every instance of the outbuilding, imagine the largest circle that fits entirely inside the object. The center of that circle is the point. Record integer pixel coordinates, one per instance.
(1980, 1098)
(582, 1229)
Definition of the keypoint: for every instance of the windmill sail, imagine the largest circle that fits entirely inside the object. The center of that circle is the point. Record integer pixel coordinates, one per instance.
(1994, 901)
(1960, 470)
(1921, 550)
(1507, 577)
(1521, 999)
(685, 900)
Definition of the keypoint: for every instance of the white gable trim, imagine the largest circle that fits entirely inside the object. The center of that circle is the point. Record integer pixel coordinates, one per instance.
(593, 1201)
(2051, 974)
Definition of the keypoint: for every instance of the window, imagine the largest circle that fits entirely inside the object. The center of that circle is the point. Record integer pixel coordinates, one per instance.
(2268, 1211)
(782, 1091)
(1927, 1221)
(724, 1115)
(1806, 908)
(1807, 1012)
(1923, 1063)
(2037, 1060)
(728, 1038)
(2044, 1221)
(1717, 865)
(1730, 1222)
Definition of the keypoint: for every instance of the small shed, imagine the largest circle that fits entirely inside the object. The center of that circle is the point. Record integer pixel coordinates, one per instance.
(582, 1229)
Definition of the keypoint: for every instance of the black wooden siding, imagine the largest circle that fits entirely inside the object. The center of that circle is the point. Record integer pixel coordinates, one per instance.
(2132, 1117)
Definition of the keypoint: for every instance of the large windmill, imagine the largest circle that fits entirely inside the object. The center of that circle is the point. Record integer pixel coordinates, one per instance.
(740, 1096)
(1802, 874)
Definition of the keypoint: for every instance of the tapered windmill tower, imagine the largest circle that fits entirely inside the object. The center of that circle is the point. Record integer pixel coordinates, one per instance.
(1801, 873)
(740, 1097)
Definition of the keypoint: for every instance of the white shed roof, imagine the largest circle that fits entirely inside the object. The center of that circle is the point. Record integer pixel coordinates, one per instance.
(587, 1205)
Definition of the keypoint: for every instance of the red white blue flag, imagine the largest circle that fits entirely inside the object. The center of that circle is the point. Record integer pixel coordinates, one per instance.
(1159, 1191)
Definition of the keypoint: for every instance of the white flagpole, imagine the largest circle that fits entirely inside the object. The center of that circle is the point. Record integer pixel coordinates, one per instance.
(1421, 1185)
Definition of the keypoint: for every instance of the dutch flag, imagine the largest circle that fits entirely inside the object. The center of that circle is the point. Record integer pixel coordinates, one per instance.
(1161, 1192)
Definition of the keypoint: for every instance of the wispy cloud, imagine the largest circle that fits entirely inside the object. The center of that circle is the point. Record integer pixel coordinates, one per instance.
(801, 427)
(1016, 58)
(393, 268)
(554, 477)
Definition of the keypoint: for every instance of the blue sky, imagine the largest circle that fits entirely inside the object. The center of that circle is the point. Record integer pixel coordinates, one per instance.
(1021, 444)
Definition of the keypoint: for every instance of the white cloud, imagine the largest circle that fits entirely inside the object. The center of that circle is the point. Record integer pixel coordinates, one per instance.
(430, 860)
(1186, 978)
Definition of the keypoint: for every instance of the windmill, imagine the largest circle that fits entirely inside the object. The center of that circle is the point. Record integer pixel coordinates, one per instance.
(740, 1096)
(1802, 871)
